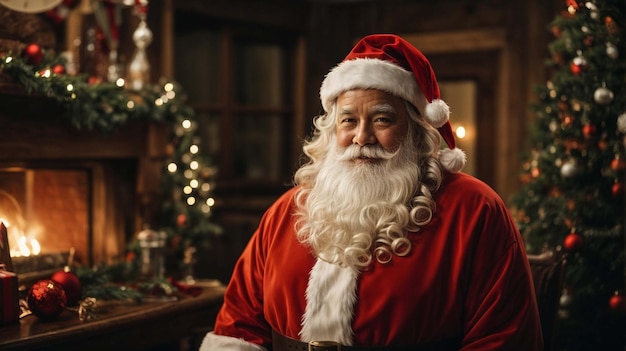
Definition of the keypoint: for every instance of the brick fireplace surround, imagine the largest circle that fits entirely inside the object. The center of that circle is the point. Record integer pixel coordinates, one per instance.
(83, 190)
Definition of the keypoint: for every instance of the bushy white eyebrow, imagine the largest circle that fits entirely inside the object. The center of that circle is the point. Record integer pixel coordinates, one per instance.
(383, 108)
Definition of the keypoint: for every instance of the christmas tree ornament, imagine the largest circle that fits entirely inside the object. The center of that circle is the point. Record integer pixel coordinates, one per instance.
(611, 51)
(617, 164)
(621, 123)
(579, 64)
(589, 130)
(593, 10)
(569, 169)
(611, 26)
(617, 189)
(71, 285)
(34, 54)
(46, 299)
(617, 302)
(573, 242)
(603, 95)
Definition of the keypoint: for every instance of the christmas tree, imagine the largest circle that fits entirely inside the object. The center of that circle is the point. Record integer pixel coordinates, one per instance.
(572, 197)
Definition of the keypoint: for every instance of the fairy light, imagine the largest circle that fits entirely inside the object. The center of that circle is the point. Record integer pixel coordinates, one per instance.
(205, 187)
(188, 174)
(130, 104)
(170, 95)
(194, 165)
(8, 59)
(186, 124)
(168, 87)
(172, 167)
(70, 87)
(191, 201)
(120, 82)
(194, 149)
(158, 102)
(187, 190)
(210, 201)
(194, 183)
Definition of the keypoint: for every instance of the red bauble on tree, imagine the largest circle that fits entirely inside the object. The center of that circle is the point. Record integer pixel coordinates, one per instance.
(46, 299)
(34, 54)
(573, 242)
(617, 189)
(71, 285)
(617, 303)
(589, 130)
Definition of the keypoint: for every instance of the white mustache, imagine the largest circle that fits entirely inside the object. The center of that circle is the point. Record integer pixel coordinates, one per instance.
(355, 151)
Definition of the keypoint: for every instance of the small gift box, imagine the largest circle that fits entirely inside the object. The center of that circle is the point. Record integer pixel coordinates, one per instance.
(9, 299)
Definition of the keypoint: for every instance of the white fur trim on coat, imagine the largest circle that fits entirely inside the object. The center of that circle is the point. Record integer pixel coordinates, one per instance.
(330, 299)
(214, 342)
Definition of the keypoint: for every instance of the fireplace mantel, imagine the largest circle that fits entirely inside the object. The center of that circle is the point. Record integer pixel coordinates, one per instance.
(33, 134)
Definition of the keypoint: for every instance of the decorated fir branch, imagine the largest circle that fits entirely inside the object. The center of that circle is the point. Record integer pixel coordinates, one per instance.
(573, 195)
(188, 174)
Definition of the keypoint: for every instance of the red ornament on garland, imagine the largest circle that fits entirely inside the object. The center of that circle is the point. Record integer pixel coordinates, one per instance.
(58, 69)
(46, 299)
(573, 242)
(71, 285)
(34, 54)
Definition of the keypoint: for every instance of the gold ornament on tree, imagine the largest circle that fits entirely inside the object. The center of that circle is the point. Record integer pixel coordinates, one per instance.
(139, 67)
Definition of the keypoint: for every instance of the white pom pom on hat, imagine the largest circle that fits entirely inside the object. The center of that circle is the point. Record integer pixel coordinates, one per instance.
(389, 63)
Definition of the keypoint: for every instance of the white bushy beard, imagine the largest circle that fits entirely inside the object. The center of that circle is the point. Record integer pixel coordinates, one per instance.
(357, 210)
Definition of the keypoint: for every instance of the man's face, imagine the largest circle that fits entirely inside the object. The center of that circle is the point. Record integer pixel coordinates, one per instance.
(368, 117)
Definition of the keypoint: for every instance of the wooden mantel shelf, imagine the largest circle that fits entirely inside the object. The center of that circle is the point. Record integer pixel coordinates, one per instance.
(118, 326)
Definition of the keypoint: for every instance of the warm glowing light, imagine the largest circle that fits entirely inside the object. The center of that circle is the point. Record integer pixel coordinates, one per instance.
(120, 82)
(8, 59)
(186, 124)
(194, 165)
(70, 87)
(170, 95)
(194, 183)
(168, 87)
(158, 102)
(188, 174)
(205, 187)
(194, 149)
(460, 132)
(210, 201)
(187, 190)
(172, 167)
(191, 201)
(130, 104)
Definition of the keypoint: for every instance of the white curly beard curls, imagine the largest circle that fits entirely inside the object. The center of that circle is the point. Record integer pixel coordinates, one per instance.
(357, 210)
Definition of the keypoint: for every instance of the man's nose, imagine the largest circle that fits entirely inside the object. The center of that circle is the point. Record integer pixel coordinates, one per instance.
(364, 136)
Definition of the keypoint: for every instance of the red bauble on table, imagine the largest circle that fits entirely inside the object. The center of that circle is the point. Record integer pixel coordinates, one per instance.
(71, 285)
(573, 242)
(46, 299)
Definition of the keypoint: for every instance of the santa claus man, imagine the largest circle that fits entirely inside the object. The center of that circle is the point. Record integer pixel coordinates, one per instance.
(382, 244)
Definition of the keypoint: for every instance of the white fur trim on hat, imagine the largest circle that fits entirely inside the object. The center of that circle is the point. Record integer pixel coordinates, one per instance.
(371, 73)
(452, 159)
(330, 299)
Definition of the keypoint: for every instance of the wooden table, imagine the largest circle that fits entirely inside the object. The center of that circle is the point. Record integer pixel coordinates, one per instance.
(153, 325)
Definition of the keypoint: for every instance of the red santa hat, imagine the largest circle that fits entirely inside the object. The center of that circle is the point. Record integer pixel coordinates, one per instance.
(389, 63)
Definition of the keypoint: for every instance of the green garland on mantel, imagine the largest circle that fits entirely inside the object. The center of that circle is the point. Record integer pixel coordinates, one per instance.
(93, 105)
(90, 104)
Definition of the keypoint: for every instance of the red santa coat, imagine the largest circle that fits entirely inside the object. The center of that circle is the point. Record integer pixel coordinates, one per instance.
(466, 277)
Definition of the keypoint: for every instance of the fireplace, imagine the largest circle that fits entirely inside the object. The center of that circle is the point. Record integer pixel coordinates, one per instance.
(72, 194)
